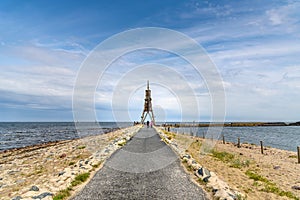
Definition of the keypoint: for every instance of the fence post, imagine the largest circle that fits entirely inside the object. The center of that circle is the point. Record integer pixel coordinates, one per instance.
(203, 135)
(261, 147)
(298, 149)
(239, 142)
(223, 139)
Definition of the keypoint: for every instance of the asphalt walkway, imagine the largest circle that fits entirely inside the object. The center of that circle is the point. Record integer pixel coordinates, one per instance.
(145, 168)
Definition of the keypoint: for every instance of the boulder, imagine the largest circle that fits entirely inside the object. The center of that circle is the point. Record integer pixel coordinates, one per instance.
(203, 173)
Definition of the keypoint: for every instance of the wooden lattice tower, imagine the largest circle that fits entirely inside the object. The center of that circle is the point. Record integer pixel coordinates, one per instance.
(147, 106)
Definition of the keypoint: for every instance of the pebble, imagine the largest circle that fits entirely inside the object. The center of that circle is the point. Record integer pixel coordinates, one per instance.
(12, 172)
(20, 181)
(295, 187)
(34, 188)
(63, 155)
(43, 195)
(214, 190)
(276, 167)
(61, 173)
(16, 198)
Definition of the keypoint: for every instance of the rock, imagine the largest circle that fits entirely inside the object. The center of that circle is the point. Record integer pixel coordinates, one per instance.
(295, 187)
(203, 173)
(214, 191)
(63, 155)
(43, 195)
(86, 162)
(16, 198)
(186, 156)
(61, 173)
(12, 172)
(34, 188)
(276, 167)
(20, 181)
(1, 179)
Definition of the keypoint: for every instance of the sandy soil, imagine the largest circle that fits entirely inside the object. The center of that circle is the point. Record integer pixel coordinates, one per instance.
(278, 167)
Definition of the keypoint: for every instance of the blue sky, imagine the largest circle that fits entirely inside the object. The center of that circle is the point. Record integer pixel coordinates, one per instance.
(254, 44)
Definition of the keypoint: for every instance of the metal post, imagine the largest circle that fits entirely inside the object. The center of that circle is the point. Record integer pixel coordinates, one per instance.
(203, 135)
(261, 147)
(223, 139)
(298, 149)
(239, 142)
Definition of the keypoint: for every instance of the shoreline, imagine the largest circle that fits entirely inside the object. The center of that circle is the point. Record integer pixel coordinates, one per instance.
(44, 170)
(105, 131)
(228, 124)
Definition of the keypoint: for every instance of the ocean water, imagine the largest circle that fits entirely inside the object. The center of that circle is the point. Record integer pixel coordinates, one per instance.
(281, 137)
(22, 134)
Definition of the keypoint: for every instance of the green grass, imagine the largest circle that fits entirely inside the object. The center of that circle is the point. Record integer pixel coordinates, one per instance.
(237, 163)
(240, 197)
(97, 165)
(80, 179)
(256, 177)
(274, 189)
(81, 147)
(292, 156)
(184, 161)
(62, 194)
(71, 163)
(201, 181)
(269, 186)
(223, 156)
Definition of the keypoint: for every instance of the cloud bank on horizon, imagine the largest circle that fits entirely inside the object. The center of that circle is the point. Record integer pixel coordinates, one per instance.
(255, 46)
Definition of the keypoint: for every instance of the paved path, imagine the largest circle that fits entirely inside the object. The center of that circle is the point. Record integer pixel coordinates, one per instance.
(145, 168)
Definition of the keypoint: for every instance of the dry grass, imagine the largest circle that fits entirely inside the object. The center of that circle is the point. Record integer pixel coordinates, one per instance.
(233, 165)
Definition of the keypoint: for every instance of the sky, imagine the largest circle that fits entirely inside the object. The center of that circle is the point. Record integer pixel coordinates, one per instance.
(255, 45)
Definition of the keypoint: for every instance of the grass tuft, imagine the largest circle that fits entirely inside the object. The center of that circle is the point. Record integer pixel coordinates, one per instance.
(81, 147)
(237, 163)
(80, 179)
(223, 156)
(256, 177)
(62, 194)
(269, 186)
(71, 163)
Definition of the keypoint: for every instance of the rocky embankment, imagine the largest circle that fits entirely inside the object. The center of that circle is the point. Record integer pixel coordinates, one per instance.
(41, 171)
(220, 189)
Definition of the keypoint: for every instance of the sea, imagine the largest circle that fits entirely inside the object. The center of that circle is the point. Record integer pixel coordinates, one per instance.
(280, 137)
(22, 134)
